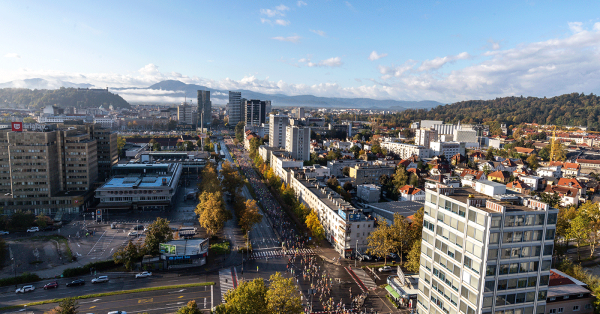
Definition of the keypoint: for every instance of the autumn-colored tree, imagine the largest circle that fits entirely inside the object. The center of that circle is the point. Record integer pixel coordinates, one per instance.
(128, 255)
(232, 180)
(210, 179)
(66, 306)
(283, 296)
(212, 212)
(314, 225)
(413, 259)
(248, 298)
(250, 215)
(381, 241)
(400, 232)
(190, 308)
(579, 231)
(532, 161)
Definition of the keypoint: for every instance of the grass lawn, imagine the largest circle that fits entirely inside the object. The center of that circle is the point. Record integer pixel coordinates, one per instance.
(220, 248)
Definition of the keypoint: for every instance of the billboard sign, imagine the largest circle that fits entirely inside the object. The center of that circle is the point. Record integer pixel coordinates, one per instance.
(167, 248)
(17, 126)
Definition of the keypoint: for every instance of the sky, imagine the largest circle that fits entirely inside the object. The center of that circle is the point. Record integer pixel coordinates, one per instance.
(445, 51)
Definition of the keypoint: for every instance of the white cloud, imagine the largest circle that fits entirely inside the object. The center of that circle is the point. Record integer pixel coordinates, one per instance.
(495, 45)
(263, 20)
(374, 56)
(12, 55)
(331, 62)
(278, 11)
(282, 22)
(349, 5)
(293, 39)
(576, 27)
(318, 32)
(300, 3)
(441, 61)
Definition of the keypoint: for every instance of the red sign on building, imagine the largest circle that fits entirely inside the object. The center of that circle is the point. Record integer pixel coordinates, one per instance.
(17, 126)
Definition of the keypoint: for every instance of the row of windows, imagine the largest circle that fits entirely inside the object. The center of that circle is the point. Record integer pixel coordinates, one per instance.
(453, 238)
(518, 252)
(445, 292)
(575, 309)
(517, 268)
(515, 283)
(515, 298)
(521, 236)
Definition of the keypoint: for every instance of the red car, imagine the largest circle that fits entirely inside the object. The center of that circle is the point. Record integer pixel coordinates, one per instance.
(51, 285)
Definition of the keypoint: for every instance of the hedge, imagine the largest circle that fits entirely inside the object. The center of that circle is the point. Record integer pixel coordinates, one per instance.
(85, 270)
(24, 278)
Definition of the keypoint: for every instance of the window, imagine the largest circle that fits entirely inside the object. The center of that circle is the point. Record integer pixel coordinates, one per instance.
(552, 311)
(560, 310)
(575, 308)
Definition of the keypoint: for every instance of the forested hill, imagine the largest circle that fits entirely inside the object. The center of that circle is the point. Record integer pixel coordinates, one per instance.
(569, 109)
(62, 97)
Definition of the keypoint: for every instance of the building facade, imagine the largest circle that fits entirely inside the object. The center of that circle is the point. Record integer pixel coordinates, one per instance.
(405, 151)
(485, 251)
(255, 111)
(234, 108)
(277, 130)
(204, 108)
(184, 114)
(297, 142)
(424, 137)
(369, 174)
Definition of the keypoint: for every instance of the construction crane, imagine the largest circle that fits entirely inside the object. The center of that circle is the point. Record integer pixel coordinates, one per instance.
(552, 145)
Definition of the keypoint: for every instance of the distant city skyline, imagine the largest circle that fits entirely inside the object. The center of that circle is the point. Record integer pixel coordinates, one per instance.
(443, 51)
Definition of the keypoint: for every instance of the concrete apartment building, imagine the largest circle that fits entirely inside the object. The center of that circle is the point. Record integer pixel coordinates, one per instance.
(337, 166)
(234, 108)
(447, 149)
(424, 137)
(485, 251)
(184, 113)
(47, 172)
(346, 227)
(368, 193)
(277, 130)
(405, 151)
(140, 187)
(298, 113)
(281, 161)
(108, 152)
(369, 174)
(297, 142)
(204, 108)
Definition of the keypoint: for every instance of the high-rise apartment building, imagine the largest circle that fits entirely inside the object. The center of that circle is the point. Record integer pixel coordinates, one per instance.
(204, 108)
(297, 142)
(277, 130)
(424, 137)
(485, 251)
(184, 113)
(255, 111)
(47, 172)
(298, 113)
(234, 108)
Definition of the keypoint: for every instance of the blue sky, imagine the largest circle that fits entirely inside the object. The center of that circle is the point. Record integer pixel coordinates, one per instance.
(406, 50)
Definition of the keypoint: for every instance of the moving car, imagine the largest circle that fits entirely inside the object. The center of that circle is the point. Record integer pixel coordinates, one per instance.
(139, 227)
(143, 275)
(51, 285)
(100, 279)
(24, 289)
(76, 282)
(33, 229)
(117, 312)
(132, 233)
(3, 232)
(385, 268)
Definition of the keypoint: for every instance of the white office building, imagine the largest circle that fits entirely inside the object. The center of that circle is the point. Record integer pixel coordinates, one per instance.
(277, 130)
(406, 150)
(424, 137)
(184, 114)
(297, 142)
(484, 251)
(447, 149)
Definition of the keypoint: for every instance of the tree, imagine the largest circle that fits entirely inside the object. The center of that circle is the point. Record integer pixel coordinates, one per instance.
(490, 154)
(42, 220)
(380, 241)
(190, 308)
(400, 177)
(551, 199)
(333, 183)
(348, 186)
(565, 215)
(532, 161)
(158, 232)
(413, 259)
(210, 179)
(283, 296)
(591, 213)
(355, 150)
(21, 220)
(248, 298)
(400, 232)
(314, 225)
(29, 120)
(120, 144)
(560, 153)
(212, 212)
(250, 215)
(127, 255)
(346, 171)
(66, 306)
(579, 231)
(414, 180)
(232, 180)
(239, 131)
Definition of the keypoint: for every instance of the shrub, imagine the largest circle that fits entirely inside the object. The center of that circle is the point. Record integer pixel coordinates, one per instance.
(24, 278)
(84, 270)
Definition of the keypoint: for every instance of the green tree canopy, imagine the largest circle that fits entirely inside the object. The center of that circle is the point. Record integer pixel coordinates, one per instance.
(158, 232)
(283, 296)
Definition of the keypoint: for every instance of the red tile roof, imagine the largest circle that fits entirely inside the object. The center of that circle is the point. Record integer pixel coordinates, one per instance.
(409, 189)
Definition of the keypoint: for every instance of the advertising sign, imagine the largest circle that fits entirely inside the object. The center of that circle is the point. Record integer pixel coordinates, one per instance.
(167, 248)
(17, 126)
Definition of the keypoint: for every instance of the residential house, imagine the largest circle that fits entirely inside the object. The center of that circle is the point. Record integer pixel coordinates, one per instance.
(534, 182)
(568, 295)
(525, 151)
(568, 196)
(477, 156)
(551, 171)
(478, 175)
(573, 183)
(411, 193)
(499, 176)
(568, 169)
(519, 186)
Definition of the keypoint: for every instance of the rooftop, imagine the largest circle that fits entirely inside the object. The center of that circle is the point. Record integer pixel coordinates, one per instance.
(404, 208)
(138, 181)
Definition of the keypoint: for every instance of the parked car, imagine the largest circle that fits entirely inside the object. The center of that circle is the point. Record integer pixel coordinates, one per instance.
(366, 257)
(143, 274)
(385, 268)
(51, 285)
(133, 233)
(24, 289)
(76, 282)
(33, 229)
(4, 232)
(138, 227)
(100, 279)
(117, 312)
(393, 255)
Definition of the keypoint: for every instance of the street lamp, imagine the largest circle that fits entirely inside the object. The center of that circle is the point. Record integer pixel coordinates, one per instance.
(355, 253)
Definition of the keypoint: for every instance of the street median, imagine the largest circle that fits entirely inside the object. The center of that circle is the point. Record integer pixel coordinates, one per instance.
(106, 294)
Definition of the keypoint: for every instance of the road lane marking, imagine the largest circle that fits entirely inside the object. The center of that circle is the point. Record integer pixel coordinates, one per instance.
(91, 307)
(96, 300)
(180, 297)
(178, 303)
(178, 290)
(145, 300)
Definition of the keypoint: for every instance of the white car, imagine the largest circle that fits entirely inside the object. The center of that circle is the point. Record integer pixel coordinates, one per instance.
(385, 268)
(33, 229)
(100, 279)
(3, 232)
(117, 312)
(143, 275)
(133, 233)
(25, 289)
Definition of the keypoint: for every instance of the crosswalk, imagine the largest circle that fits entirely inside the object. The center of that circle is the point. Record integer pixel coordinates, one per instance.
(361, 278)
(228, 280)
(279, 253)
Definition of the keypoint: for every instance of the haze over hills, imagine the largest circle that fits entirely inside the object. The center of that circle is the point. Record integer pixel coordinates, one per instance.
(38, 83)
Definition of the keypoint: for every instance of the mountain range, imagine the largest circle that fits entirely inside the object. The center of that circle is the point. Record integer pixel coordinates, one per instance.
(174, 90)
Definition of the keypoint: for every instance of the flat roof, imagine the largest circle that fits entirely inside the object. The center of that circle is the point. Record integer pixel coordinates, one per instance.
(404, 208)
(147, 181)
(330, 203)
(462, 195)
(554, 291)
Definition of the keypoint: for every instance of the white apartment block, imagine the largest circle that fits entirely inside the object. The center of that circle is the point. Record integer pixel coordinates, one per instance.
(277, 130)
(184, 114)
(467, 136)
(424, 137)
(346, 228)
(105, 122)
(447, 149)
(337, 166)
(484, 251)
(405, 151)
(368, 193)
(297, 142)
(280, 162)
